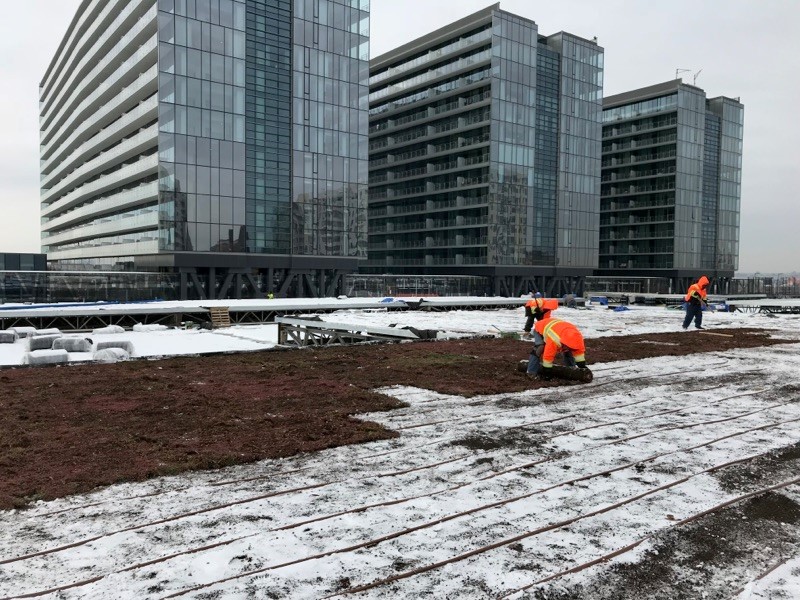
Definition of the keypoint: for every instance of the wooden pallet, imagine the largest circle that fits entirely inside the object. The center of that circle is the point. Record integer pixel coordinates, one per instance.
(220, 316)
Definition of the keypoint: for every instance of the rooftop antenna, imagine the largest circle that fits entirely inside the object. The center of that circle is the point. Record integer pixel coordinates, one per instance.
(696, 75)
(678, 71)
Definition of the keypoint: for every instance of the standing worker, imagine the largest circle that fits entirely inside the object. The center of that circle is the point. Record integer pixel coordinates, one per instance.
(695, 301)
(534, 310)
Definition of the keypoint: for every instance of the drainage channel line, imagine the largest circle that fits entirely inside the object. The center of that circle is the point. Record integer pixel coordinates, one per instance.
(430, 524)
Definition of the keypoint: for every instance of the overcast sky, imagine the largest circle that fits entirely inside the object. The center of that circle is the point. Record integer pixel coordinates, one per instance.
(746, 48)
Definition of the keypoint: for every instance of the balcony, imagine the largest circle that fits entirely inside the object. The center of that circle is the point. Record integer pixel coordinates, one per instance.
(127, 174)
(121, 201)
(128, 73)
(144, 140)
(141, 90)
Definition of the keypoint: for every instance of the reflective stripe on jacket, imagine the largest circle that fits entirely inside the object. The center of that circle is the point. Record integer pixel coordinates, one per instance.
(560, 336)
(535, 303)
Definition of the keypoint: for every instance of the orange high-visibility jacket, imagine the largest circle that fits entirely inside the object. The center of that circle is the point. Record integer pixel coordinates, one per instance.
(697, 290)
(559, 336)
(535, 303)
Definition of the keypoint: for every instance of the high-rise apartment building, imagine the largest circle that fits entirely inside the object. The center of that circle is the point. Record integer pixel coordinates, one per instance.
(485, 155)
(671, 189)
(222, 139)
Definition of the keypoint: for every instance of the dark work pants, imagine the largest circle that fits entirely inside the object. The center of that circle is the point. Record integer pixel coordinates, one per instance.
(528, 324)
(693, 311)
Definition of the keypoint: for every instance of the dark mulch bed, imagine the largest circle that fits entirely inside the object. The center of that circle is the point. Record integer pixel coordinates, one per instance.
(66, 430)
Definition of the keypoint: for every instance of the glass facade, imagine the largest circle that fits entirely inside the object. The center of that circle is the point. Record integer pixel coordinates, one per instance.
(730, 179)
(268, 93)
(637, 223)
(429, 156)
(668, 201)
(330, 102)
(542, 225)
(201, 126)
(466, 152)
(99, 137)
(513, 128)
(689, 178)
(580, 126)
(710, 208)
(243, 130)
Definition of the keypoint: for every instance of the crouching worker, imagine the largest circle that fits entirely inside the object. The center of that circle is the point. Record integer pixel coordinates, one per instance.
(536, 309)
(553, 337)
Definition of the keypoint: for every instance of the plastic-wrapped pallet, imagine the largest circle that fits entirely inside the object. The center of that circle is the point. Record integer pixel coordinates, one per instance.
(23, 332)
(45, 357)
(73, 344)
(48, 331)
(111, 355)
(124, 344)
(41, 342)
(108, 329)
(8, 337)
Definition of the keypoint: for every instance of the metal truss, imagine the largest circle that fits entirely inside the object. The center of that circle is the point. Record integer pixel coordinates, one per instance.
(307, 332)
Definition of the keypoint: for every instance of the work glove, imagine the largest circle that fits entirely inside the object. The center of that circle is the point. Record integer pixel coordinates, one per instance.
(546, 373)
(581, 364)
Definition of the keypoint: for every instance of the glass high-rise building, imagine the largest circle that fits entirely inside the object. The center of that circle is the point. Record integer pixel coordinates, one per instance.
(485, 155)
(671, 189)
(222, 139)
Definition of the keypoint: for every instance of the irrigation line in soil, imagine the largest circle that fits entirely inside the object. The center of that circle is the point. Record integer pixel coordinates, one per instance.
(629, 547)
(381, 475)
(763, 574)
(657, 414)
(469, 418)
(559, 525)
(371, 456)
(406, 531)
(544, 391)
(394, 535)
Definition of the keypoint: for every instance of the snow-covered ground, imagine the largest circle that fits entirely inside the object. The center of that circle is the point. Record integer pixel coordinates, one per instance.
(486, 497)
(594, 321)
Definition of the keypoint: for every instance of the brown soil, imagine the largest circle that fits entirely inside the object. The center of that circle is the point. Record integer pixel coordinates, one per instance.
(66, 430)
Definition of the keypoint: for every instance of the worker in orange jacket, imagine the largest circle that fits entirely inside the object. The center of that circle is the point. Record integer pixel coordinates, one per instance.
(534, 309)
(554, 337)
(696, 299)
